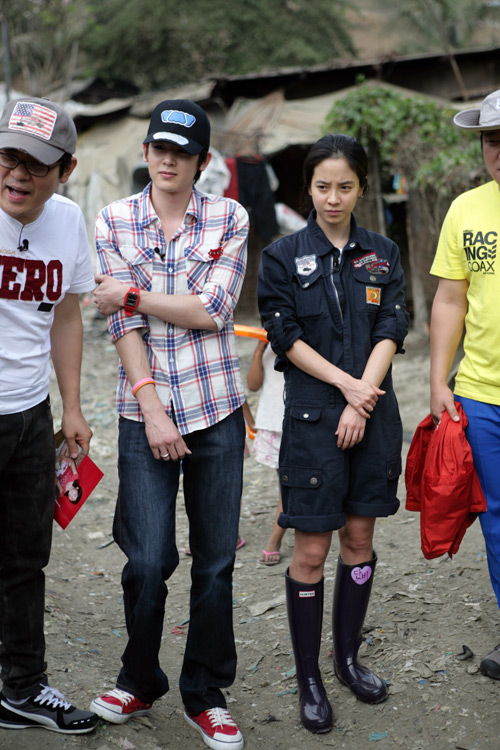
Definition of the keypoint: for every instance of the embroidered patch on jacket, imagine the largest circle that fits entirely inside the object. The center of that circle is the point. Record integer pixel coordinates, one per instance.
(306, 265)
(373, 295)
(364, 260)
(380, 267)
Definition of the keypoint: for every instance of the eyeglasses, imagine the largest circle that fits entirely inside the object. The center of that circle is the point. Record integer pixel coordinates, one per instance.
(34, 168)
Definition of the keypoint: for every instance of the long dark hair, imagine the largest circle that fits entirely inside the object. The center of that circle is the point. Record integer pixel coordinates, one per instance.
(75, 485)
(337, 146)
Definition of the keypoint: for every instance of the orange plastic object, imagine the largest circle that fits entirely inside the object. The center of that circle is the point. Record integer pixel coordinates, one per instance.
(251, 433)
(251, 331)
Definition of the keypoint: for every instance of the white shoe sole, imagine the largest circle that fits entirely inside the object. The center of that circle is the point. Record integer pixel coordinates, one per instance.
(22, 720)
(236, 744)
(114, 717)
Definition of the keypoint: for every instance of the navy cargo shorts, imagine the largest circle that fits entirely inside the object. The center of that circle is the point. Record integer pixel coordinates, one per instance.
(320, 483)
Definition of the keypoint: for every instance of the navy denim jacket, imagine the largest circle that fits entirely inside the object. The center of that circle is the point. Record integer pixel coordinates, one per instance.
(340, 307)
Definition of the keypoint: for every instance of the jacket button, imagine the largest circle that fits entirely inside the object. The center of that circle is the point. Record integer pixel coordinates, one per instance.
(306, 415)
(353, 244)
(398, 307)
(284, 478)
(391, 472)
(373, 278)
(313, 481)
(276, 315)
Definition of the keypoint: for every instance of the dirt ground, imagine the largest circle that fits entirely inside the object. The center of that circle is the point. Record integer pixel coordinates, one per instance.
(421, 613)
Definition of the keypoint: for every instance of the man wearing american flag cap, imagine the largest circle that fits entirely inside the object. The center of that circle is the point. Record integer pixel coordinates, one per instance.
(44, 266)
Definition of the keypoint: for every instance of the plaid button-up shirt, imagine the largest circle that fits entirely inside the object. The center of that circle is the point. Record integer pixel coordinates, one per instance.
(196, 371)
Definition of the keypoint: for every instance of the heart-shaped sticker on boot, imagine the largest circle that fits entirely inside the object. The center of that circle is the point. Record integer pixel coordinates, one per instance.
(361, 575)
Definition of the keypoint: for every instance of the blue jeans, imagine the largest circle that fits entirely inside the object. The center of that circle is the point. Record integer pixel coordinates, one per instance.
(483, 435)
(27, 492)
(144, 528)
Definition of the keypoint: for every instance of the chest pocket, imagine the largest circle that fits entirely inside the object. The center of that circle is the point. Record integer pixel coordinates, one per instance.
(369, 289)
(199, 263)
(137, 256)
(309, 293)
(140, 261)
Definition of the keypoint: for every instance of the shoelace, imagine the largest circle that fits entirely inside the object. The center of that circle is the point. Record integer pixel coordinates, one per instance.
(219, 717)
(121, 695)
(52, 697)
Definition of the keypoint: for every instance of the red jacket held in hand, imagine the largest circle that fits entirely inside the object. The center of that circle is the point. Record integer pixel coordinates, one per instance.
(442, 483)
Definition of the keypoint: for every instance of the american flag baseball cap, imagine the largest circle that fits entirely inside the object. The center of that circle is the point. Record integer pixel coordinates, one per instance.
(39, 127)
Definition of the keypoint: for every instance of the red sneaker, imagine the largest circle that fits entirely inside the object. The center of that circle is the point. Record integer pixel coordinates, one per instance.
(117, 706)
(218, 729)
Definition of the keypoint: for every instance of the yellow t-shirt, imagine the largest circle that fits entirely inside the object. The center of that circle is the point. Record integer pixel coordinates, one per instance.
(467, 249)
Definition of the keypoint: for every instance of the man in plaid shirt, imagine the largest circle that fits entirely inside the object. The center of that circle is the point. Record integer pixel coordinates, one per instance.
(172, 262)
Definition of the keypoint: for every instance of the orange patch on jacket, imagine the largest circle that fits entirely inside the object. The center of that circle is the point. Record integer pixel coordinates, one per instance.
(373, 295)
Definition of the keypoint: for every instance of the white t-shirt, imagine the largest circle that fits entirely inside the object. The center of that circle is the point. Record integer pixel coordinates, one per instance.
(271, 405)
(32, 281)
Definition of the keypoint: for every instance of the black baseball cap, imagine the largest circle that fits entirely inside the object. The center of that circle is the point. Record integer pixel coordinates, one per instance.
(180, 121)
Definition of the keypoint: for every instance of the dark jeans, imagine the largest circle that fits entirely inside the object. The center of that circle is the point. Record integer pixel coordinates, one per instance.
(144, 528)
(27, 489)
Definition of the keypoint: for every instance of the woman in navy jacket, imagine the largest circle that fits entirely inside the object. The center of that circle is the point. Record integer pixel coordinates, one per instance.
(331, 297)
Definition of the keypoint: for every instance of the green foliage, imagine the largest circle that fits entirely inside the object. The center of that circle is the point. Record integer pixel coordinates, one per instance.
(410, 135)
(42, 35)
(167, 43)
(127, 40)
(444, 22)
(154, 43)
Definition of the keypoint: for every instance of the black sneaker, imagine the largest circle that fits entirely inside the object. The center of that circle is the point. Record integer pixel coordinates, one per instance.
(490, 665)
(47, 710)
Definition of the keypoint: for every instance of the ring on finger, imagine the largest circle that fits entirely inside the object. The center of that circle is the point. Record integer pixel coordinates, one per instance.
(167, 455)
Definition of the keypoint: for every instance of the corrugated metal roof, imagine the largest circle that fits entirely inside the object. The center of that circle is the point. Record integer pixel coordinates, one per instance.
(107, 107)
(197, 92)
(272, 123)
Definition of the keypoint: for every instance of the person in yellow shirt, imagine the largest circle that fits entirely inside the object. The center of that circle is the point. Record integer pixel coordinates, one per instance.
(467, 294)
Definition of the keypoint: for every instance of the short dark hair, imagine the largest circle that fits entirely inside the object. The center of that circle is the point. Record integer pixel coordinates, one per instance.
(337, 146)
(201, 158)
(65, 163)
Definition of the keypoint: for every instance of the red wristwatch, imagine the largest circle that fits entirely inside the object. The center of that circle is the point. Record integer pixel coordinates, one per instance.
(131, 300)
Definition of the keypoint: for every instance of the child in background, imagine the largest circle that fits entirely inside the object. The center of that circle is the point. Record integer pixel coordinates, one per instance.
(268, 425)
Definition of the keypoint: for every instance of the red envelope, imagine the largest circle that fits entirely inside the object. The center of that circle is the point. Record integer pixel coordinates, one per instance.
(75, 481)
